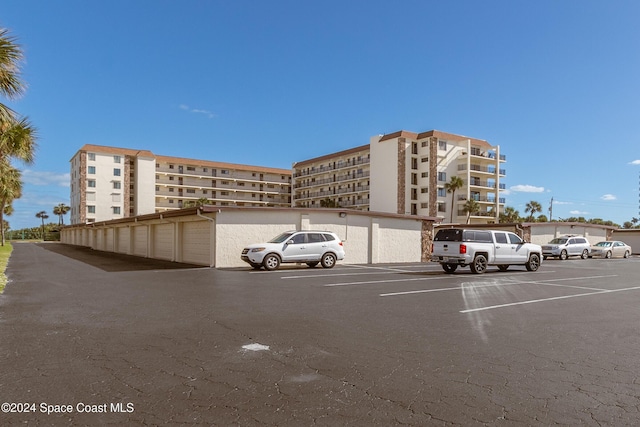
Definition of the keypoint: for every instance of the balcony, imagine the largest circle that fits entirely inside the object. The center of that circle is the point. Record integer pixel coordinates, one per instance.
(483, 169)
(327, 168)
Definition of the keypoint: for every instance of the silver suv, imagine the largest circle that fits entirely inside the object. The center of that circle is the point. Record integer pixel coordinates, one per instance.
(565, 246)
(309, 247)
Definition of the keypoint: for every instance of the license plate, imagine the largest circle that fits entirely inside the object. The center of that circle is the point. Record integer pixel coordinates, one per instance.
(445, 258)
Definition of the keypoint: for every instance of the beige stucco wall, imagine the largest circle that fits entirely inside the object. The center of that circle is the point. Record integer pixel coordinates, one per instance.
(542, 233)
(630, 237)
(368, 237)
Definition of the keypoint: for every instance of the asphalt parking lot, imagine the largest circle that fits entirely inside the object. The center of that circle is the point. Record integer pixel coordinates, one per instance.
(83, 331)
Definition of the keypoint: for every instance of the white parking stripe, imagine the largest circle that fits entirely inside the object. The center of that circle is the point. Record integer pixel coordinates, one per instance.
(535, 282)
(548, 299)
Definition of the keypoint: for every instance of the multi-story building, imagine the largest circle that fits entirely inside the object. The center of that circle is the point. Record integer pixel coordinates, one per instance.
(335, 180)
(110, 183)
(405, 173)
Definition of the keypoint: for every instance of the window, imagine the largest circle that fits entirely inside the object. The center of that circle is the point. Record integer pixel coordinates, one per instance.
(425, 175)
(116, 210)
(414, 163)
(91, 209)
(515, 239)
(501, 238)
(91, 170)
(116, 171)
(224, 172)
(117, 185)
(170, 166)
(91, 183)
(191, 168)
(442, 192)
(424, 160)
(91, 156)
(315, 238)
(424, 190)
(442, 176)
(117, 159)
(115, 197)
(191, 191)
(299, 239)
(442, 145)
(425, 143)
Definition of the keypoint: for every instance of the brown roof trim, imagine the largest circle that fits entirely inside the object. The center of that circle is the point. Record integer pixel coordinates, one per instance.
(332, 155)
(576, 224)
(438, 134)
(211, 208)
(104, 149)
(399, 134)
(209, 163)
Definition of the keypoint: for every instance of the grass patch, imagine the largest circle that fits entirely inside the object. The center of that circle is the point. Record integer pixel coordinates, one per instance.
(5, 253)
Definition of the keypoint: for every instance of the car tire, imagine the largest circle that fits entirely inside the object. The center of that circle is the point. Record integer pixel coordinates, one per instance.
(312, 264)
(585, 254)
(271, 262)
(328, 260)
(626, 254)
(544, 257)
(563, 255)
(449, 268)
(503, 267)
(608, 255)
(479, 264)
(533, 263)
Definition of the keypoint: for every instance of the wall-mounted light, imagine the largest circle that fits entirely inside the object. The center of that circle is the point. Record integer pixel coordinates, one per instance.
(342, 214)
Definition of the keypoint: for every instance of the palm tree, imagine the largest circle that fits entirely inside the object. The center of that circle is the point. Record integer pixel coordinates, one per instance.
(195, 203)
(451, 187)
(11, 84)
(471, 207)
(42, 215)
(10, 189)
(510, 215)
(532, 207)
(61, 210)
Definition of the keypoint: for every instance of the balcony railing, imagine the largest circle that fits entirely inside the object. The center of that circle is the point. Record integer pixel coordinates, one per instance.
(328, 168)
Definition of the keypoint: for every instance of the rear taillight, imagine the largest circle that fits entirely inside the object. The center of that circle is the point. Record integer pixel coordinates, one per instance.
(463, 249)
(341, 243)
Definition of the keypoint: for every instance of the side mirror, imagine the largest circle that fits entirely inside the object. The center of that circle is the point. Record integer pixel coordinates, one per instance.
(290, 242)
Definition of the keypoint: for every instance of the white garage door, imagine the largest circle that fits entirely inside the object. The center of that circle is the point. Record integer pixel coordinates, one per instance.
(163, 241)
(122, 239)
(196, 246)
(139, 240)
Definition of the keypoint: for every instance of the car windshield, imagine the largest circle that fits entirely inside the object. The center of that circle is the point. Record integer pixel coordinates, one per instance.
(559, 241)
(281, 238)
(603, 244)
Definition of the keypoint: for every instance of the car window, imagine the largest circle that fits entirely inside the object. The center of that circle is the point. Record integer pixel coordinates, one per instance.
(581, 240)
(281, 238)
(315, 237)
(298, 238)
(558, 241)
(449, 235)
(329, 237)
(513, 238)
(501, 238)
(571, 242)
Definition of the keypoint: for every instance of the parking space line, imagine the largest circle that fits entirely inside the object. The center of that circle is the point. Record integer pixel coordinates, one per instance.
(472, 310)
(535, 282)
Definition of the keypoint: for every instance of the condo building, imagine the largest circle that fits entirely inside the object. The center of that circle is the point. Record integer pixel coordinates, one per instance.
(111, 183)
(406, 173)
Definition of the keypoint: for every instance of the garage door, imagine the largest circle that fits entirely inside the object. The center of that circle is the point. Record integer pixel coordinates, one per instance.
(139, 240)
(122, 234)
(196, 246)
(163, 241)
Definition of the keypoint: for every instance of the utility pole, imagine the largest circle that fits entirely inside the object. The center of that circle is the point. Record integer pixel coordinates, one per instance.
(551, 210)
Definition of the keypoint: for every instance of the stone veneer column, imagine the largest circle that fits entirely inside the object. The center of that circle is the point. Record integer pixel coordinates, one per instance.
(433, 176)
(402, 175)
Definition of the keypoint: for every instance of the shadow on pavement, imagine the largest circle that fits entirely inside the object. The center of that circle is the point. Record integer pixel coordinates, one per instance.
(112, 262)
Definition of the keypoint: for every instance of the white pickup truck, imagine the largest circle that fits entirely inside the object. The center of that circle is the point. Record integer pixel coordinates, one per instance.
(453, 247)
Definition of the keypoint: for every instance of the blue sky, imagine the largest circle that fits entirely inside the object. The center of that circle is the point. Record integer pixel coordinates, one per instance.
(554, 83)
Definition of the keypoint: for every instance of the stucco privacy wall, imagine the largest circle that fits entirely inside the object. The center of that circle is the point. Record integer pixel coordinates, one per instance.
(216, 236)
(542, 233)
(630, 237)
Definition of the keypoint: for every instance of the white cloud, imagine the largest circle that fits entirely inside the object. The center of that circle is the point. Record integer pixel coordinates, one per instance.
(527, 189)
(578, 213)
(558, 202)
(207, 113)
(608, 197)
(635, 162)
(45, 178)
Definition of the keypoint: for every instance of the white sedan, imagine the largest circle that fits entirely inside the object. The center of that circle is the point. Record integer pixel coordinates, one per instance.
(610, 249)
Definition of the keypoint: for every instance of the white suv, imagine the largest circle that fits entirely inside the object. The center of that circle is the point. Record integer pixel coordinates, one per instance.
(565, 246)
(310, 247)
